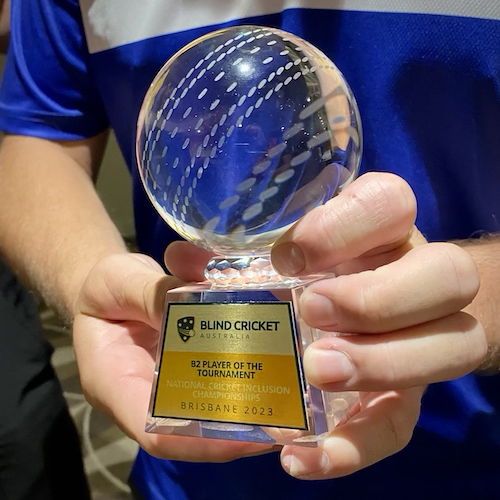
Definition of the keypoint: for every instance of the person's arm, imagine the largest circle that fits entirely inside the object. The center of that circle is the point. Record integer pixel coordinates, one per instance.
(54, 227)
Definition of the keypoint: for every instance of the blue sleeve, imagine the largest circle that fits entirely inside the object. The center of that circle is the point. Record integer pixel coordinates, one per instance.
(48, 89)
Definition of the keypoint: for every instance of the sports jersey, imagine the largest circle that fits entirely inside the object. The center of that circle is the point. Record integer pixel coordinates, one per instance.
(426, 77)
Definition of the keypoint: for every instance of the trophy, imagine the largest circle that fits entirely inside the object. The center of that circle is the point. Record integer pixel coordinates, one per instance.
(241, 133)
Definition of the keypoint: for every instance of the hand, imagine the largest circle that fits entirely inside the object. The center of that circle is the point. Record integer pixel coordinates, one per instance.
(402, 298)
(116, 332)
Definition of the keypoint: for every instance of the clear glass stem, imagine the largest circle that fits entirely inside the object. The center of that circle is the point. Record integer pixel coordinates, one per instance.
(237, 272)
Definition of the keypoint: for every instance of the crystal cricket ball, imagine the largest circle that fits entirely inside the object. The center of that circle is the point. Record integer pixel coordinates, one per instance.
(241, 133)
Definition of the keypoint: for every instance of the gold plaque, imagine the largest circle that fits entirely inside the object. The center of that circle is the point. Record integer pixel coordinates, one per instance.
(231, 362)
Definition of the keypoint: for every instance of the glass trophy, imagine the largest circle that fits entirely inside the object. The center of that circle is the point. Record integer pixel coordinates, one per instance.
(241, 133)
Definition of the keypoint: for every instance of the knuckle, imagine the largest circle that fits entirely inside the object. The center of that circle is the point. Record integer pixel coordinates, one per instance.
(371, 308)
(390, 432)
(386, 195)
(397, 426)
(332, 226)
(462, 276)
(475, 342)
(392, 371)
(361, 306)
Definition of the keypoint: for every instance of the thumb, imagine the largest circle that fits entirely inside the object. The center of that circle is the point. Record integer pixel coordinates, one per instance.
(186, 261)
(126, 287)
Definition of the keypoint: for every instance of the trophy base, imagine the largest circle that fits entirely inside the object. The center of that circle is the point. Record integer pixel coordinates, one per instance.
(229, 366)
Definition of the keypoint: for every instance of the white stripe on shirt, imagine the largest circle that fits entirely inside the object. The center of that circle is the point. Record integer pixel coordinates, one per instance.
(112, 23)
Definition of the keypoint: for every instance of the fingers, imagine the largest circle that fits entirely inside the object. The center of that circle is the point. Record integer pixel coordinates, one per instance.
(186, 261)
(117, 376)
(409, 309)
(429, 282)
(382, 427)
(375, 210)
(126, 287)
(439, 350)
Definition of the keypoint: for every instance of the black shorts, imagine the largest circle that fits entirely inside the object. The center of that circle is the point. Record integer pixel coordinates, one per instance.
(40, 454)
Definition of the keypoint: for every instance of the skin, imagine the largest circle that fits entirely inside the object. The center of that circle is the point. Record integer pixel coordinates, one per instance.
(412, 304)
(410, 333)
(57, 235)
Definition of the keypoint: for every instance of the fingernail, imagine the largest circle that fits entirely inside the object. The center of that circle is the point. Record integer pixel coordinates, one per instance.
(328, 365)
(320, 309)
(296, 468)
(288, 259)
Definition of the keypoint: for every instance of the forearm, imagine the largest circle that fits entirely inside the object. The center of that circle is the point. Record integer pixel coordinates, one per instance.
(53, 225)
(486, 305)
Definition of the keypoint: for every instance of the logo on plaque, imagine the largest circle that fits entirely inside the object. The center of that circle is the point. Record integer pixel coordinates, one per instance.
(185, 328)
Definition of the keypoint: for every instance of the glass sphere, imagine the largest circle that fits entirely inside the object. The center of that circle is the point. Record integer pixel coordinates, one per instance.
(241, 133)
